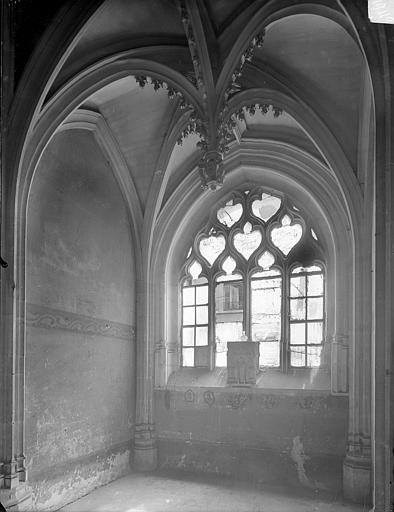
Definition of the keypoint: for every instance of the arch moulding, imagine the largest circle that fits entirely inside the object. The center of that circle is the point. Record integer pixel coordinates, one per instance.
(304, 178)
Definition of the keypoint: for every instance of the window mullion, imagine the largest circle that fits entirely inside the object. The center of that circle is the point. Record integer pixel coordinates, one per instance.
(247, 301)
(195, 322)
(211, 322)
(285, 343)
(306, 320)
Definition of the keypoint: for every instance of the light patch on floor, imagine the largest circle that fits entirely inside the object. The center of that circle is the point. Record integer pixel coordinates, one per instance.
(187, 492)
(299, 457)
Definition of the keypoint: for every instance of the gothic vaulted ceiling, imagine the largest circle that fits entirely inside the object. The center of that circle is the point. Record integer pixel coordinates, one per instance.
(206, 75)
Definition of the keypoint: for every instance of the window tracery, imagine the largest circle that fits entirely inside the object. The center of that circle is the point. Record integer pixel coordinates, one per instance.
(255, 271)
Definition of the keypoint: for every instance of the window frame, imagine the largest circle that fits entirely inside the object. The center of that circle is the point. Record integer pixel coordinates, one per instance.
(323, 272)
(280, 273)
(196, 324)
(284, 263)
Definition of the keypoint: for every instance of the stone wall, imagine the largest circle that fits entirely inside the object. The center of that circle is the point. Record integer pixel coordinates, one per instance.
(80, 353)
(297, 438)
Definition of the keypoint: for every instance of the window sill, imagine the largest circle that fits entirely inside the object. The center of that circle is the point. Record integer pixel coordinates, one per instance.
(296, 378)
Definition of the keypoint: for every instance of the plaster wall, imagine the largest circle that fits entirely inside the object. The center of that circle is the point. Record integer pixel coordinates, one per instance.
(80, 317)
(295, 438)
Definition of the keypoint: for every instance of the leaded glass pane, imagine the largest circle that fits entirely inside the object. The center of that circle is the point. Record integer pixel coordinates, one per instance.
(248, 241)
(230, 214)
(315, 284)
(232, 277)
(201, 294)
(297, 356)
(229, 296)
(297, 334)
(297, 286)
(188, 357)
(287, 236)
(312, 268)
(315, 332)
(212, 247)
(188, 296)
(314, 357)
(188, 336)
(311, 288)
(266, 273)
(228, 317)
(270, 284)
(297, 309)
(315, 308)
(200, 280)
(269, 353)
(266, 207)
(189, 317)
(201, 314)
(266, 300)
(201, 336)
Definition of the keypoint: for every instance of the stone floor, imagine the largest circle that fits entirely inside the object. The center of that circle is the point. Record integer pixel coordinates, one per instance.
(186, 492)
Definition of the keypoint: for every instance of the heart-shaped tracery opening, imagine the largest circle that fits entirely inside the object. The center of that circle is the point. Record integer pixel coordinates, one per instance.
(211, 247)
(248, 241)
(230, 213)
(266, 207)
(287, 236)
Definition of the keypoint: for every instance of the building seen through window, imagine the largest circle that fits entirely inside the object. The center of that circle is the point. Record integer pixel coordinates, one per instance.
(255, 272)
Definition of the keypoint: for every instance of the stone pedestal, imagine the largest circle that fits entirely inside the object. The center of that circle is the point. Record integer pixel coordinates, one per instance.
(145, 451)
(15, 493)
(145, 459)
(17, 499)
(357, 479)
(242, 362)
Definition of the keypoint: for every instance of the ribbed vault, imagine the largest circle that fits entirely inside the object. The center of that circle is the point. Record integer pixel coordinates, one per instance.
(222, 49)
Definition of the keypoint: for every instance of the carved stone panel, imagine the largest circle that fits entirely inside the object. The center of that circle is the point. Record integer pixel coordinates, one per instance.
(242, 362)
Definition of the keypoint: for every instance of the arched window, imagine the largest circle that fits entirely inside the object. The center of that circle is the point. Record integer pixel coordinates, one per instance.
(255, 272)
